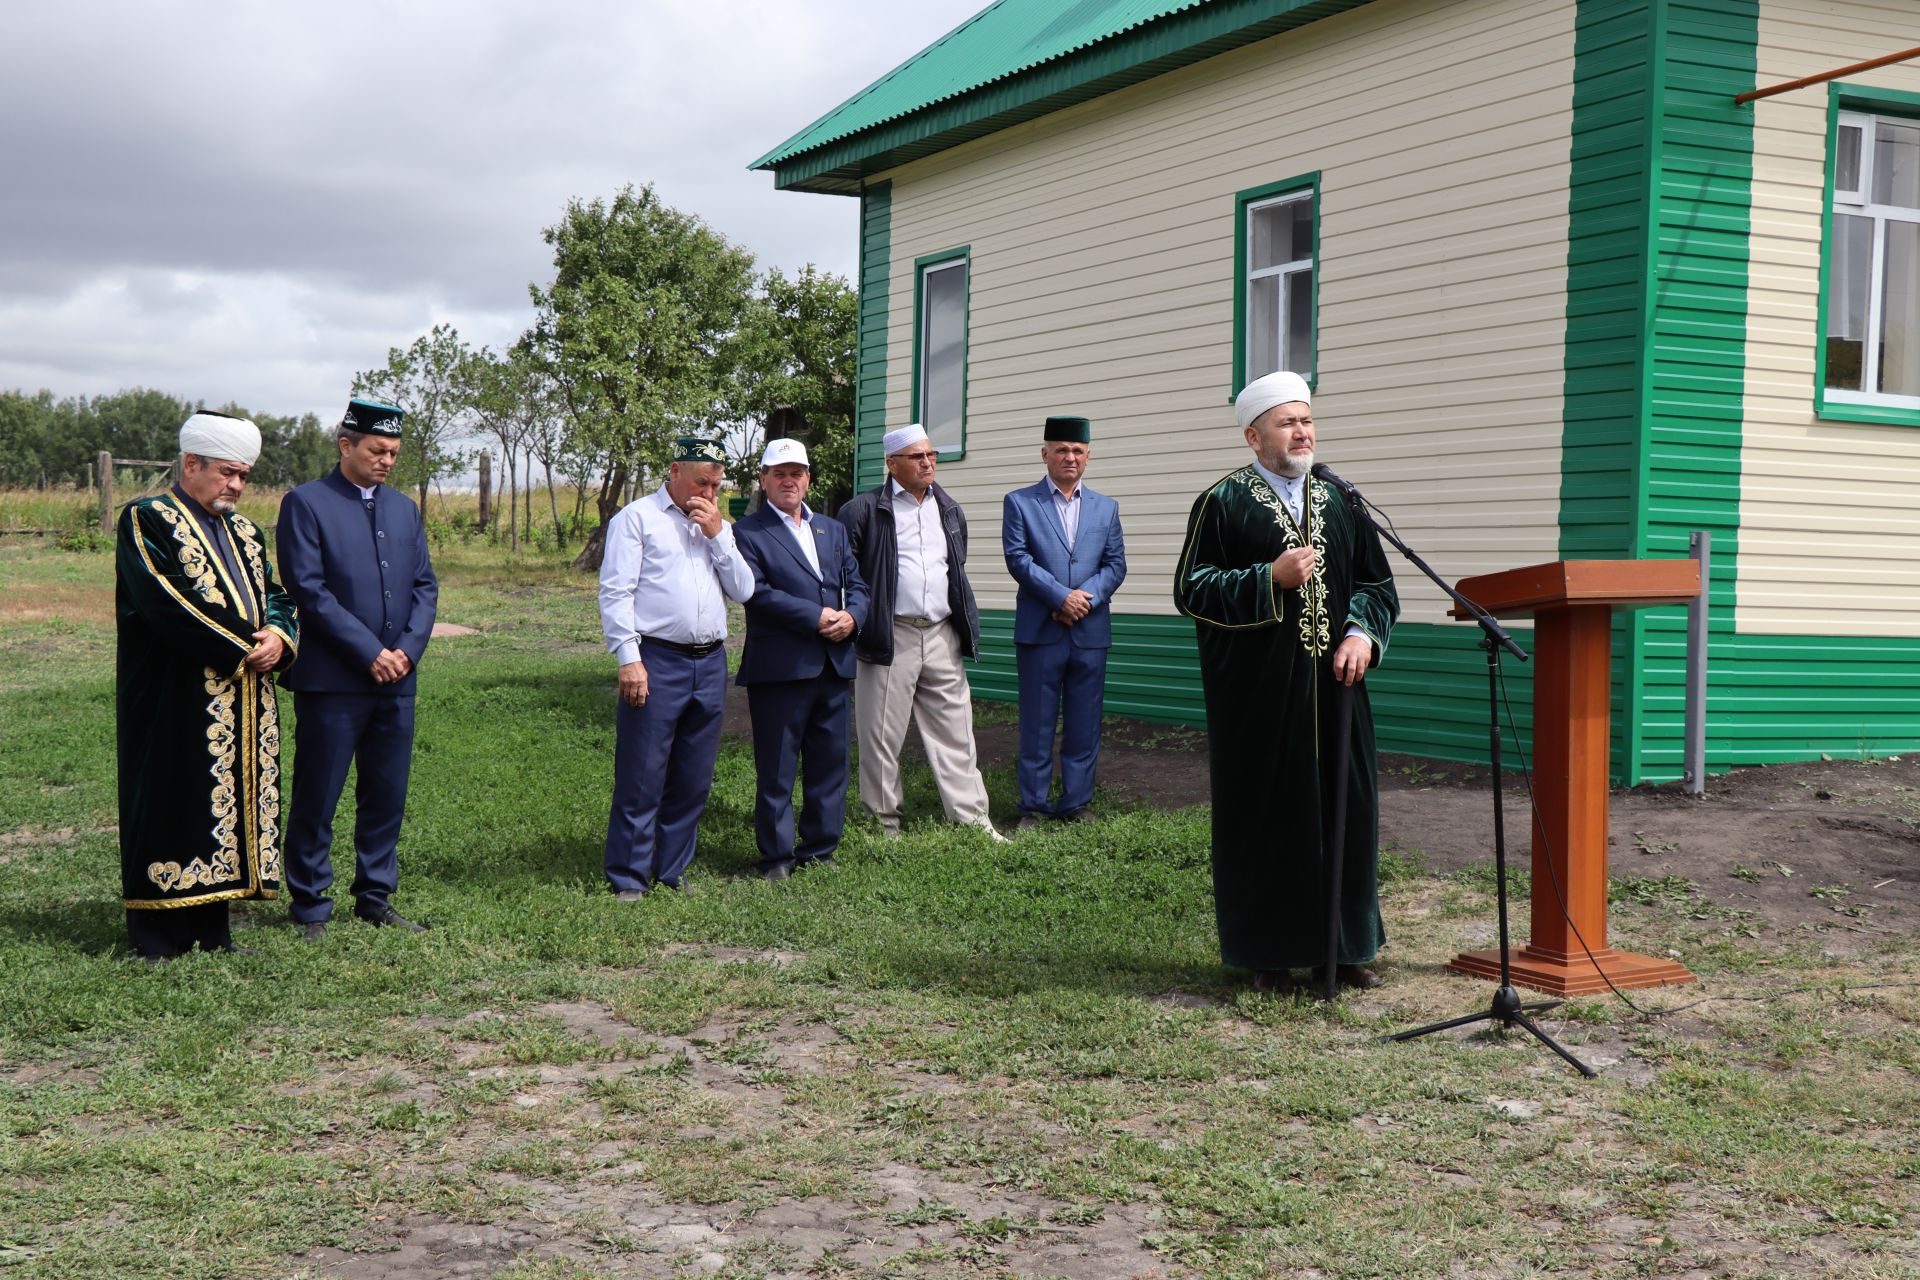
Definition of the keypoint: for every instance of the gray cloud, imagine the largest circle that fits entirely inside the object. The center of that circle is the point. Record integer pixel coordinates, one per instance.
(254, 201)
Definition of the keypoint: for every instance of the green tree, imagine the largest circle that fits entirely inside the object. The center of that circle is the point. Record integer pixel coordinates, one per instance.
(634, 329)
(796, 349)
(424, 380)
(292, 450)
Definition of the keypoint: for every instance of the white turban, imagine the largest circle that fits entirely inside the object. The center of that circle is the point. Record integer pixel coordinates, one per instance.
(901, 437)
(1262, 394)
(220, 435)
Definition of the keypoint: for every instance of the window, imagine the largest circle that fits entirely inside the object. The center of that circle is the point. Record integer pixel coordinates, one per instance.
(940, 349)
(1870, 306)
(1276, 243)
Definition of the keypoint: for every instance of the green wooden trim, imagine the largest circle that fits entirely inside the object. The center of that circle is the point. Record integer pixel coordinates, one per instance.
(870, 375)
(920, 265)
(1693, 412)
(1152, 49)
(1241, 199)
(1429, 695)
(1843, 96)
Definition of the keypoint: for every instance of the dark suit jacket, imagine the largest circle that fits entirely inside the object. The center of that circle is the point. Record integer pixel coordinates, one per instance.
(362, 583)
(1038, 559)
(783, 613)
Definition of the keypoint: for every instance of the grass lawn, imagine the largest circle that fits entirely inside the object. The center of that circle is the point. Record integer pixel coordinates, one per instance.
(942, 1058)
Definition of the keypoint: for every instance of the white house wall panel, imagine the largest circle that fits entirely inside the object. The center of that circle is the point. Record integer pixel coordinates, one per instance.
(1829, 539)
(1102, 279)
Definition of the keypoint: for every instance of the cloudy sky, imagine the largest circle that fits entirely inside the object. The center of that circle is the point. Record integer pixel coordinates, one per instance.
(251, 201)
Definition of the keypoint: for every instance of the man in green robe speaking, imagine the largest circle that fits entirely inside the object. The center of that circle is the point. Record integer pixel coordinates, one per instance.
(1291, 597)
(202, 627)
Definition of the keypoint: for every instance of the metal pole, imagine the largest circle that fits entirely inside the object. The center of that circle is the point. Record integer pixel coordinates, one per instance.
(1699, 547)
(1852, 68)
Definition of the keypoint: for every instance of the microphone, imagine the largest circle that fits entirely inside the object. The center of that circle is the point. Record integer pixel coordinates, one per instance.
(1321, 471)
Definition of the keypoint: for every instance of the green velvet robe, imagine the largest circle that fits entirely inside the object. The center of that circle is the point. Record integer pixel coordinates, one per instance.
(199, 733)
(1266, 662)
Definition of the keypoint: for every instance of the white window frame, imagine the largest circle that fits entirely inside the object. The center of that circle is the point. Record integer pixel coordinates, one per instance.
(962, 261)
(1857, 204)
(1299, 266)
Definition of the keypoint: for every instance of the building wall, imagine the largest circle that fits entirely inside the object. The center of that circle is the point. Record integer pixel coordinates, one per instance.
(1829, 520)
(1102, 265)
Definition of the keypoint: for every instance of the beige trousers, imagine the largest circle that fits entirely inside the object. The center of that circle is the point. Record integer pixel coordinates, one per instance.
(928, 684)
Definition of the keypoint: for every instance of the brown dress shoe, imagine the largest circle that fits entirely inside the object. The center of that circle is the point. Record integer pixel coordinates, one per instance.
(1272, 981)
(1348, 975)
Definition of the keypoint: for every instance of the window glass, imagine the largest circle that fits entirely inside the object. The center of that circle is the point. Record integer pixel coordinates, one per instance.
(1846, 161)
(1896, 164)
(1851, 264)
(943, 353)
(1278, 325)
(1900, 311)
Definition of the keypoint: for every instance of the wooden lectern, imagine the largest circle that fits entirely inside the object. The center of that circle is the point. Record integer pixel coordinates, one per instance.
(1572, 603)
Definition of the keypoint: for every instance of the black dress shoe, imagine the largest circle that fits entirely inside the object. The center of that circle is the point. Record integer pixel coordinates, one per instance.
(313, 931)
(1272, 981)
(1082, 814)
(776, 870)
(1028, 822)
(386, 917)
(822, 860)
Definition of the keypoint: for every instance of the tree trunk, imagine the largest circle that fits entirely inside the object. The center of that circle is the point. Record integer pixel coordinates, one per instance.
(486, 489)
(513, 502)
(612, 487)
(553, 501)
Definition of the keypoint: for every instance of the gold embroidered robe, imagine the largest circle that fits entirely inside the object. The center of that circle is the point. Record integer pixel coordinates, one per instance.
(199, 732)
(1266, 665)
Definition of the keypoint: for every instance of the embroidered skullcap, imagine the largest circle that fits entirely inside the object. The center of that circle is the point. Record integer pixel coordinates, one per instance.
(1262, 394)
(902, 437)
(211, 434)
(695, 449)
(1072, 430)
(373, 417)
(784, 450)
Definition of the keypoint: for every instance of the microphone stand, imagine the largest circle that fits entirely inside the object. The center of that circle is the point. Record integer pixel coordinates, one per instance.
(1507, 1009)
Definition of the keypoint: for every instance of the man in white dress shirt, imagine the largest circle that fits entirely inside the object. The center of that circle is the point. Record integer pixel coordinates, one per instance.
(910, 540)
(670, 567)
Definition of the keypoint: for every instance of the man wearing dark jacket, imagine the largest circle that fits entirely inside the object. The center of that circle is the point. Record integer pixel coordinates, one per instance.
(353, 554)
(807, 602)
(910, 540)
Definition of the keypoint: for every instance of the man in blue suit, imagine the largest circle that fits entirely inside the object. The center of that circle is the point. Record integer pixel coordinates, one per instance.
(353, 554)
(808, 601)
(1064, 549)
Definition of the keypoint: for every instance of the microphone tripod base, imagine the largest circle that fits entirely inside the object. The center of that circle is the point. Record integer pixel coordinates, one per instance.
(1509, 1012)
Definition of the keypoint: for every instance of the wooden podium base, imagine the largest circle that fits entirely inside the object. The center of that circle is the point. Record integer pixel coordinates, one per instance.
(1574, 975)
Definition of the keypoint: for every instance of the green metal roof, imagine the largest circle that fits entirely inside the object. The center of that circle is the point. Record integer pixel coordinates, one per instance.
(1015, 60)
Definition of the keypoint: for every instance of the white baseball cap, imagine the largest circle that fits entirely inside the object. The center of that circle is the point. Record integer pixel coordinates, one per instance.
(784, 450)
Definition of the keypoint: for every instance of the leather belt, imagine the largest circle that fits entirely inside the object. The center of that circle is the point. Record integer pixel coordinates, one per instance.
(915, 621)
(675, 646)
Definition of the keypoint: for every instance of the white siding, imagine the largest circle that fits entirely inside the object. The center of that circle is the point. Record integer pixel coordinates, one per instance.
(1829, 511)
(1103, 265)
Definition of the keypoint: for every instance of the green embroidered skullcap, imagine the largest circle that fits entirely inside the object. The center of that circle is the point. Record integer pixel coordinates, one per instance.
(373, 417)
(1075, 430)
(694, 449)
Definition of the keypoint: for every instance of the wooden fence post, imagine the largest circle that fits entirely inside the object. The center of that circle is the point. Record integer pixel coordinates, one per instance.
(486, 489)
(105, 463)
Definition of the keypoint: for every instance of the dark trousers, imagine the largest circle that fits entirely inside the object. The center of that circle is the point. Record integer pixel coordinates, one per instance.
(330, 732)
(173, 931)
(1064, 686)
(800, 725)
(663, 757)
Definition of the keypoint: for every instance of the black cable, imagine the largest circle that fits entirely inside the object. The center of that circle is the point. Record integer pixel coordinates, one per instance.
(1560, 897)
(1553, 876)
